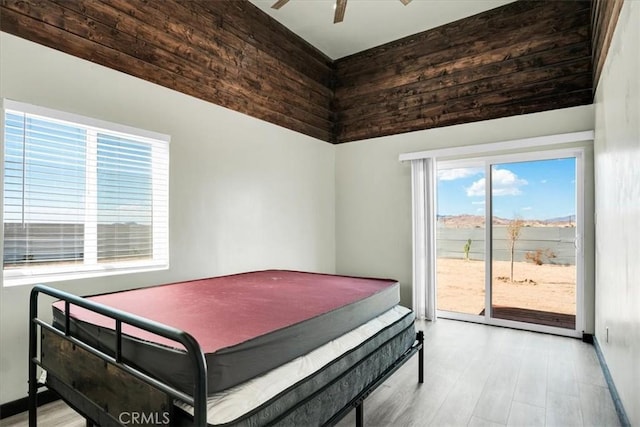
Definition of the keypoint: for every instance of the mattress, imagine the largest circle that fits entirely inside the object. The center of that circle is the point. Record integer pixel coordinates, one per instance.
(246, 324)
(317, 385)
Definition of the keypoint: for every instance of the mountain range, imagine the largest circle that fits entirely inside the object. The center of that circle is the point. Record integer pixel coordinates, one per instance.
(474, 221)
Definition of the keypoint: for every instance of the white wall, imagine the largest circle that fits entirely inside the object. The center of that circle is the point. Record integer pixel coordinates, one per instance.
(244, 194)
(373, 191)
(617, 161)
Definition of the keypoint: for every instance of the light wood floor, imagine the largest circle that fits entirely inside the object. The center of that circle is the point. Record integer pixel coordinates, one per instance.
(475, 375)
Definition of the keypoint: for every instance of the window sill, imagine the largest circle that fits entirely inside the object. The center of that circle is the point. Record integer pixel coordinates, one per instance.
(15, 278)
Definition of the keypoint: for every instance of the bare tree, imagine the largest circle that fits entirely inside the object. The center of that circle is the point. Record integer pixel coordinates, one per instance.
(513, 234)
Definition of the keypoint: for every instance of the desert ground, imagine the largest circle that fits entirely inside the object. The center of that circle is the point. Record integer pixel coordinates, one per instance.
(544, 287)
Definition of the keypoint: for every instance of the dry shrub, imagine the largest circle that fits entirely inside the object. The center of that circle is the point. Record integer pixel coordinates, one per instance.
(538, 256)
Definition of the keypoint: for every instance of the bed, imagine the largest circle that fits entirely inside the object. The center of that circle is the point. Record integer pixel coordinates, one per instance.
(261, 348)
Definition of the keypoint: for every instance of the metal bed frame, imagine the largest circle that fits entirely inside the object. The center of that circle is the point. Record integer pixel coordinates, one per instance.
(199, 367)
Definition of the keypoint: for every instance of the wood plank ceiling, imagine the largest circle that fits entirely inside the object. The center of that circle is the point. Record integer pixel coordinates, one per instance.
(521, 58)
(604, 17)
(525, 57)
(226, 52)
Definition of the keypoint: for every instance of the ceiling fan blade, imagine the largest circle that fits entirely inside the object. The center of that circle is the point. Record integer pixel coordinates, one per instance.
(341, 6)
(405, 2)
(279, 4)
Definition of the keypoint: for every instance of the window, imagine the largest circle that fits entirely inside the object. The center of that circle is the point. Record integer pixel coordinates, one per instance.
(81, 197)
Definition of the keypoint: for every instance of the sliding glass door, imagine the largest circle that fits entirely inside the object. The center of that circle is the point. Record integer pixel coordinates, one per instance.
(508, 237)
(460, 241)
(533, 242)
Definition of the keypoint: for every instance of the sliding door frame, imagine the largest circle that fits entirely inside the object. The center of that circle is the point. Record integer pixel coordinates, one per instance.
(488, 161)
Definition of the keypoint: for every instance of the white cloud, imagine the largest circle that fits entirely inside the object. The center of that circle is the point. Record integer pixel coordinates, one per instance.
(477, 188)
(505, 183)
(453, 174)
(527, 208)
(543, 181)
(479, 202)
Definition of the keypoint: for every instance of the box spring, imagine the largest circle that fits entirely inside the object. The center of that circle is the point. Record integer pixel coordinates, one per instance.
(324, 392)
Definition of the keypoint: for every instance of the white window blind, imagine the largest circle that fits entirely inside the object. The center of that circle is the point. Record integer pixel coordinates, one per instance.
(81, 197)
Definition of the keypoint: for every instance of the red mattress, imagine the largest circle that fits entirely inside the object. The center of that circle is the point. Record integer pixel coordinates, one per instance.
(245, 324)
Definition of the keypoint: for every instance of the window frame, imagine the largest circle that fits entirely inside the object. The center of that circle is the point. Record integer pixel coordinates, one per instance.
(159, 144)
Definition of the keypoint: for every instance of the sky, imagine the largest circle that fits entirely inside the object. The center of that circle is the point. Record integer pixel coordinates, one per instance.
(46, 173)
(542, 189)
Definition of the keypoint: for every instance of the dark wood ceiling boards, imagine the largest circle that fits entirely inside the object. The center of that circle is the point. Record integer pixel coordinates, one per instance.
(225, 52)
(525, 57)
(604, 17)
